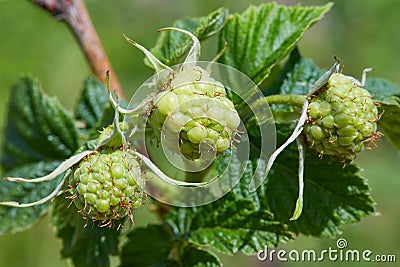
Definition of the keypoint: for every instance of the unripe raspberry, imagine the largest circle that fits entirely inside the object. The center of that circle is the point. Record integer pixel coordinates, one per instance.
(198, 110)
(104, 185)
(342, 118)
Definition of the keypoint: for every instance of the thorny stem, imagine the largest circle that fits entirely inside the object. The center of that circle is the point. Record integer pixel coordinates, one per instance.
(75, 15)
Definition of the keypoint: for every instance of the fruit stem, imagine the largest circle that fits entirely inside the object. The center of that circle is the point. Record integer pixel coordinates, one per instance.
(294, 100)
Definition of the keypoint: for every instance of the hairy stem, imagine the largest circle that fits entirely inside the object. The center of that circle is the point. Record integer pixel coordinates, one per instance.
(294, 100)
(75, 15)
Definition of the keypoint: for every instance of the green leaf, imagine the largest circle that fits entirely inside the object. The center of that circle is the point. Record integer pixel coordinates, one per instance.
(171, 46)
(387, 96)
(155, 245)
(335, 194)
(279, 72)
(300, 80)
(195, 257)
(38, 127)
(93, 107)
(390, 122)
(261, 36)
(383, 91)
(236, 222)
(235, 226)
(87, 245)
(18, 219)
(148, 246)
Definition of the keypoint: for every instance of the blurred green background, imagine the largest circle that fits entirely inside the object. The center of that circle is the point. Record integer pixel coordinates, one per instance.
(361, 33)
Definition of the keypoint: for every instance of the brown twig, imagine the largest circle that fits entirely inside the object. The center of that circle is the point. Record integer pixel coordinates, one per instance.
(74, 13)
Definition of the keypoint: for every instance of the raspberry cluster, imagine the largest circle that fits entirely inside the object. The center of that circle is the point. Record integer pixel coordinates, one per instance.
(342, 118)
(104, 185)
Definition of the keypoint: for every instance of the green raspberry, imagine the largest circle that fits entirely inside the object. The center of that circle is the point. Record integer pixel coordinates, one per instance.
(196, 134)
(197, 109)
(104, 185)
(342, 118)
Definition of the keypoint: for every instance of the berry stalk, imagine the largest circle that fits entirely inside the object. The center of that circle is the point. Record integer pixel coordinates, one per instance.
(293, 100)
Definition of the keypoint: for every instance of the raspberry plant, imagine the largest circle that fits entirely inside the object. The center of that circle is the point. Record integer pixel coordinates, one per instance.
(84, 167)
